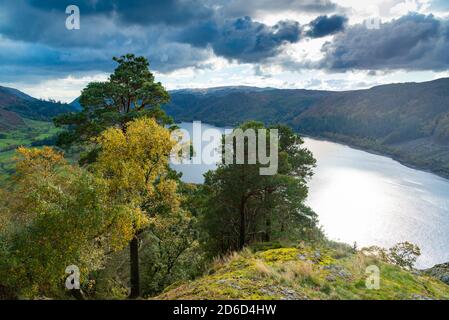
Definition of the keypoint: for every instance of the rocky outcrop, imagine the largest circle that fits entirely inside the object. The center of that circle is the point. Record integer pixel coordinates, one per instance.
(439, 271)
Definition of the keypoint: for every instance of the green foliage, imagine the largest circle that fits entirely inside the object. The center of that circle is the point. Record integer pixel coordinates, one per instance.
(33, 133)
(169, 253)
(404, 254)
(56, 215)
(240, 206)
(129, 93)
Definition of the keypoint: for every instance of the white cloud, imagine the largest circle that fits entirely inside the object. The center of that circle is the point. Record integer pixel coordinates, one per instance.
(65, 89)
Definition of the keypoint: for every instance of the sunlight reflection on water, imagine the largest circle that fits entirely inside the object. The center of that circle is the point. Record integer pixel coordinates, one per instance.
(370, 199)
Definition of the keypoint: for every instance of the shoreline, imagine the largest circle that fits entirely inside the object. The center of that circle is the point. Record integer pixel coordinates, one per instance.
(378, 153)
(351, 145)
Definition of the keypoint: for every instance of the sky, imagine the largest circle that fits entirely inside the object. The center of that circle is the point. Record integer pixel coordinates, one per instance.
(311, 44)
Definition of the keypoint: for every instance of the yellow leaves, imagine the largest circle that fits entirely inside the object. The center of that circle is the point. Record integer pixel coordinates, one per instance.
(134, 159)
(30, 160)
(166, 194)
(62, 214)
(126, 223)
(134, 164)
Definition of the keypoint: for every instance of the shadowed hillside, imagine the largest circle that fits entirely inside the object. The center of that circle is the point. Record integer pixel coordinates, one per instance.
(16, 105)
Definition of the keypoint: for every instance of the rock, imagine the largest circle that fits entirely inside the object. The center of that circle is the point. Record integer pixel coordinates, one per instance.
(445, 279)
(420, 297)
(439, 271)
(289, 294)
(285, 293)
(302, 257)
(343, 273)
(268, 291)
(336, 270)
(230, 283)
(331, 278)
(317, 254)
(235, 286)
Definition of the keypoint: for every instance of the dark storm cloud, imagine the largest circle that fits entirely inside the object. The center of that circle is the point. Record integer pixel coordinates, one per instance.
(236, 8)
(242, 39)
(33, 36)
(102, 21)
(172, 33)
(183, 33)
(249, 41)
(324, 26)
(413, 42)
(174, 12)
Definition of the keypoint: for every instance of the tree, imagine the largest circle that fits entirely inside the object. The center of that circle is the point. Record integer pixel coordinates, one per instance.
(242, 206)
(129, 93)
(58, 215)
(108, 108)
(134, 162)
(404, 254)
(170, 252)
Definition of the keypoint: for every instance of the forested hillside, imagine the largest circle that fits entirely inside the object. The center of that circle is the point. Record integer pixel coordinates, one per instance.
(409, 122)
(15, 106)
(25, 121)
(230, 106)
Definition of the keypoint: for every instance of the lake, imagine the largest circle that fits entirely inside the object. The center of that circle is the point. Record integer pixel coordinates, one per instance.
(370, 199)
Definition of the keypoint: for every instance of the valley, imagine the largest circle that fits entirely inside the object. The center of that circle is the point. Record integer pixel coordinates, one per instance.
(408, 122)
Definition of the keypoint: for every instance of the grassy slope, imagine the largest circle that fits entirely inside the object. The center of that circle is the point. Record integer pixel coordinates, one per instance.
(10, 140)
(305, 273)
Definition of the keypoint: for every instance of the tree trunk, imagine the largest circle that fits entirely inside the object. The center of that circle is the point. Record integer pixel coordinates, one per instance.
(134, 260)
(78, 294)
(242, 235)
(268, 229)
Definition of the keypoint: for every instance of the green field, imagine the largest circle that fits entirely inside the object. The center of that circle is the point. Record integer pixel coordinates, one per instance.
(9, 141)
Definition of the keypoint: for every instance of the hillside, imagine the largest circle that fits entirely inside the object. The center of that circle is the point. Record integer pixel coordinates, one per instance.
(305, 272)
(409, 122)
(15, 106)
(26, 121)
(238, 104)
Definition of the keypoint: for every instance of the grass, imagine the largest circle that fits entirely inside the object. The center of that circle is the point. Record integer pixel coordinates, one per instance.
(10, 140)
(305, 272)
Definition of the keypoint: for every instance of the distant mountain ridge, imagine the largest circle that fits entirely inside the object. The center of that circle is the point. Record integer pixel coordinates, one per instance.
(229, 107)
(408, 121)
(220, 90)
(16, 105)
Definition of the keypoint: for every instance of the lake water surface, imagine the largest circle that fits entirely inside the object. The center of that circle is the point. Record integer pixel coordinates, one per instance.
(370, 199)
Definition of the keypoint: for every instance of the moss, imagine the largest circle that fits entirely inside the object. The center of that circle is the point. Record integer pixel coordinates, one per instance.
(305, 272)
(282, 254)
